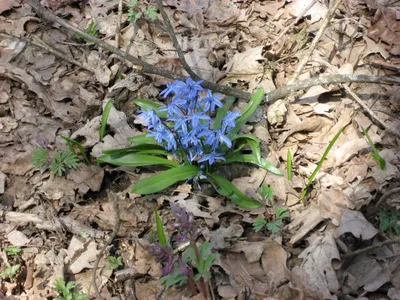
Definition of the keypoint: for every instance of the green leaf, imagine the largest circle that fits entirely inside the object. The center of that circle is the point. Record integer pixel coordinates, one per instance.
(151, 12)
(12, 250)
(221, 112)
(136, 160)
(375, 155)
(252, 141)
(146, 104)
(310, 180)
(258, 224)
(173, 278)
(114, 262)
(133, 3)
(289, 165)
(275, 227)
(225, 188)
(136, 149)
(249, 110)
(39, 157)
(160, 229)
(142, 139)
(104, 118)
(281, 213)
(250, 158)
(266, 191)
(10, 272)
(384, 224)
(164, 179)
(72, 143)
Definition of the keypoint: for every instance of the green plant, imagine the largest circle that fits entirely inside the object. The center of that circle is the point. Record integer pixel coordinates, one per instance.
(72, 143)
(115, 262)
(274, 226)
(310, 180)
(136, 11)
(184, 129)
(10, 272)
(375, 154)
(389, 220)
(104, 118)
(12, 250)
(266, 192)
(60, 163)
(289, 165)
(66, 291)
(193, 265)
(91, 29)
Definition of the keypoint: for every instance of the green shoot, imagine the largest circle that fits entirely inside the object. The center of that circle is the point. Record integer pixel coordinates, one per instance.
(389, 220)
(67, 292)
(64, 161)
(39, 157)
(12, 250)
(160, 229)
(115, 262)
(276, 225)
(104, 118)
(289, 165)
(91, 29)
(10, 272)
(310, 180)
(72, 143)
(266, 192)
(136, 12)
(375, 155)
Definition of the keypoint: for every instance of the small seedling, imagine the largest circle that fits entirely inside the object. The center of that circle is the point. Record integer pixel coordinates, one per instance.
(66, 291)
(310, 180)
(276, 225)
(91, 29)
(266, 192)
(136, 12)
(115, 262)
(389, 220)
(10, 272)
(375, 155)
(12, 251)
(61, 162)
(39, 157)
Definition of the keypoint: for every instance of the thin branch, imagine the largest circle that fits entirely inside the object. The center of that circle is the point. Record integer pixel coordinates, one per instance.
(114, 201)
(146, 68)
(178, 48)
(315, 41)
(375, 119)
(395, 240)
(118, 29)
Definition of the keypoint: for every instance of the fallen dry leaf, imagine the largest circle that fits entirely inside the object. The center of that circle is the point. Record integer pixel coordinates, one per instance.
(355, 222)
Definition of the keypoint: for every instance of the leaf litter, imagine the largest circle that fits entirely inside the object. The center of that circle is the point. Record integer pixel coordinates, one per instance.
(64, 221)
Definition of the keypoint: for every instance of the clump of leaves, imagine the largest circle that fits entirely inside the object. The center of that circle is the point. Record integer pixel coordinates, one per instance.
(60, 163)
(375, 154)
(136, 11)
(10, 272)
(115, 262)
(91, 29)
(12, 251)
(389, 220)
(193, 265)
(67, 291)
(273, 226)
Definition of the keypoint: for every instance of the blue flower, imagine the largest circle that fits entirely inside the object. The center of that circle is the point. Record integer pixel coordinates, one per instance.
(148, 118)
(211, 101)
(211, 157)
(228, 122)
(168, 90)
(196, 117)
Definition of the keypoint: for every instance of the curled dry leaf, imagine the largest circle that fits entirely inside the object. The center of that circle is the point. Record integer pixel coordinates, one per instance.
(354, 222)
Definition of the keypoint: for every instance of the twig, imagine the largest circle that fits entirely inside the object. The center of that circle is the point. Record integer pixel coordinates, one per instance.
(395, 240)
(41, 44)
(375, 119)
(178, 48)
(114, 200)
(311, 4)
(315, 41)
(118, 29)
(271, 97)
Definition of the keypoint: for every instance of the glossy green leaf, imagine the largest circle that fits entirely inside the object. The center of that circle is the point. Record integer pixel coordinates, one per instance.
(164, 179)
(142, 139)
(289, 165)
(221, 112)
(250, 158)
(146, 104)
(136, 160)
(104, 118)
(310, 180)
(72, 143)
(160, 229)
(226, 188)
(252, 141)
(249, 110)
(136, 148)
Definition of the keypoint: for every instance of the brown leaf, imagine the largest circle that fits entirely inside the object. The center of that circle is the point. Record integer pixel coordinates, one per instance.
(355, 222)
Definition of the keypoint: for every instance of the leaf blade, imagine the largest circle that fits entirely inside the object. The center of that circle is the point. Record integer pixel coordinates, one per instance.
(136, 160)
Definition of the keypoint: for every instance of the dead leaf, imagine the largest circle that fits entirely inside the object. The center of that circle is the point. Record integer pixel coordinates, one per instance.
(355, 222)
(273, 262)
(7, 4)
(218, 236)
(252, 250)
(17, 238)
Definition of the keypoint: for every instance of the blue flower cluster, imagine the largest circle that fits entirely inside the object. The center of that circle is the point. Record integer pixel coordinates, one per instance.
(191, 133)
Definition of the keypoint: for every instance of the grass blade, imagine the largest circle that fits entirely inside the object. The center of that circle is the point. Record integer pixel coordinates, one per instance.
(160, 229)
(72, 143)
(104, 118)
(136, 160)
(289, 165)
(375, 155)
